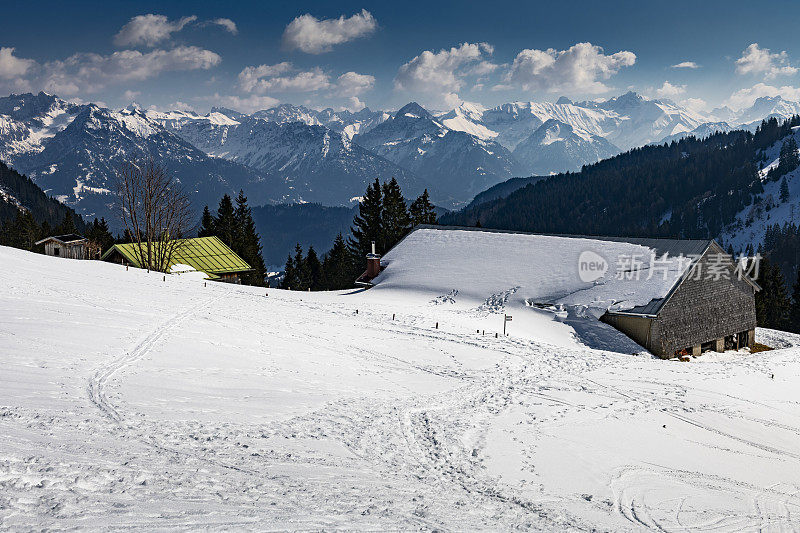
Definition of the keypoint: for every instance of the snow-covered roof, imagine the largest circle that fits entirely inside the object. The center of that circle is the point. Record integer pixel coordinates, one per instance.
(600, 273)
(63, 239)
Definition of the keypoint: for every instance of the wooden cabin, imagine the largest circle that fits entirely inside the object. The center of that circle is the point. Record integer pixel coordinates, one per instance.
(71, 246)
(204, 254)
(700, 312)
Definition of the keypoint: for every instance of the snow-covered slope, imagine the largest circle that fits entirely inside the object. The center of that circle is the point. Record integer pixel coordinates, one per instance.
(458, 165)
(750, 224)
(128, 402)
(28, 121)
(701, 132)
(767, 107)
(347, 122)
(559, 147)
(642, 120)
(626, 121)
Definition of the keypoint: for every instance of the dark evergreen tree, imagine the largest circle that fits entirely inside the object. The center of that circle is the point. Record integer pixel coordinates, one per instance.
(99, 234)
(206, 224)
(395, 221)
(248, 243)
(336, 266)
(791, 160)
(784, 195)
(302, 275)
(772, 301)
(367, 227)
(290, 275)
(225, 222)
(313, 269)
(794, 311)
(67, 225)
(21, 232)
(422, 211)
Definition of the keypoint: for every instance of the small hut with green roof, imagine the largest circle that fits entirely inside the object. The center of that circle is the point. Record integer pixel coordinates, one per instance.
(204, 254)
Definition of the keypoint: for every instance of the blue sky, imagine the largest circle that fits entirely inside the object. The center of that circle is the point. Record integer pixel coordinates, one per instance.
(250, 55)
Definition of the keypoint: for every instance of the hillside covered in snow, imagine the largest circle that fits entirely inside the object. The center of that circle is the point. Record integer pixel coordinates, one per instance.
(132, 401)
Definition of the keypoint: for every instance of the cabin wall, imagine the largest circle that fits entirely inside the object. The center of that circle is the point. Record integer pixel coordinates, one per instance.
(635, 327)
(56, 249)
(703, 310)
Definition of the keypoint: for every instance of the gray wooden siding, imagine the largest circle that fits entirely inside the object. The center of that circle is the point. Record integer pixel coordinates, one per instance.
(702, 310)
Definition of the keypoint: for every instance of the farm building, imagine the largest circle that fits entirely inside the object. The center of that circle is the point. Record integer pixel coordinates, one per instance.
(204, 254)
(672, 297)
(71, 246)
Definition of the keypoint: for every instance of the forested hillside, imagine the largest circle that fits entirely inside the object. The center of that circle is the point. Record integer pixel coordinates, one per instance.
(686, 189)
(17, 190)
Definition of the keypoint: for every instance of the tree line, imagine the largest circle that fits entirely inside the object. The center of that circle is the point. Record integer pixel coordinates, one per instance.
(689, 188)
(234, 226)
(383, 218)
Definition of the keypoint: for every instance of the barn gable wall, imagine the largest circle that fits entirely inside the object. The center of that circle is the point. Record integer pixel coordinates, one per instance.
(636, 327)
(703, 310)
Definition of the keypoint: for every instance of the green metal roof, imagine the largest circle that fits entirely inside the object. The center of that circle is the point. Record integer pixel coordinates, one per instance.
(206, 254)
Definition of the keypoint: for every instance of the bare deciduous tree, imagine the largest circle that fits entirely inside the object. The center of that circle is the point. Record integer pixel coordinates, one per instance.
(155, 211)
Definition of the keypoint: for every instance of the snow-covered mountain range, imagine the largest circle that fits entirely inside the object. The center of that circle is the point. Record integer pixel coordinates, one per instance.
(296, 154)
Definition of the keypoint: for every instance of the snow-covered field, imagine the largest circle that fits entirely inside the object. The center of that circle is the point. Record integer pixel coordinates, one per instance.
(127, 401)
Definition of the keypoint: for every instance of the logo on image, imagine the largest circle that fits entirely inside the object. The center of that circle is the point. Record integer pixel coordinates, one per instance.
(591, 266)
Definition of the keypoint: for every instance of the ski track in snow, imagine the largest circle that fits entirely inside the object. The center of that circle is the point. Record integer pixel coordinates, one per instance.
(101, 377)
(482, 433)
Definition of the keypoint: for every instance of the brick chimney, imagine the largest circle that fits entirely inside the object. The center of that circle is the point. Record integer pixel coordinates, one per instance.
(373, 263)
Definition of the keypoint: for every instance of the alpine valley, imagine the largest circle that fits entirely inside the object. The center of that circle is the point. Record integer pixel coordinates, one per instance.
(292, 154)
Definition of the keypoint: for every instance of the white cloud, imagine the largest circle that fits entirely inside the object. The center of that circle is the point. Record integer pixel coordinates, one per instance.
(313, 36)
(756, 60)
(247, 104)
(353, 104)
(698, 105)
(149, 30)
(282, 77)
(12, 66)
(451, 100)
(669, 90)
(227, 24)
(579, 68)
(441, 74)
(746, 97)
(130, 96)
(686, 64)
(89, 72)
(352, 84)
(483, 68)
(174, 106)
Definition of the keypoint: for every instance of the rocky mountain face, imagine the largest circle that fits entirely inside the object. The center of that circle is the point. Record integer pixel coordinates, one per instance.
(456, 163)
(78, 163)
(555, 146)
(307, 163)
(297, 154)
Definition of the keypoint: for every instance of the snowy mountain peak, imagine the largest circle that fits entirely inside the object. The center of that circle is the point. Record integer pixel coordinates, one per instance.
(413, 110)
(563, 100)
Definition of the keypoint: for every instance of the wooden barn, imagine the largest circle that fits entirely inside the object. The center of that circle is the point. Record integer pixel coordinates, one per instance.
(71, 246)
(673, 297)
(204, 254)
(700, 312)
